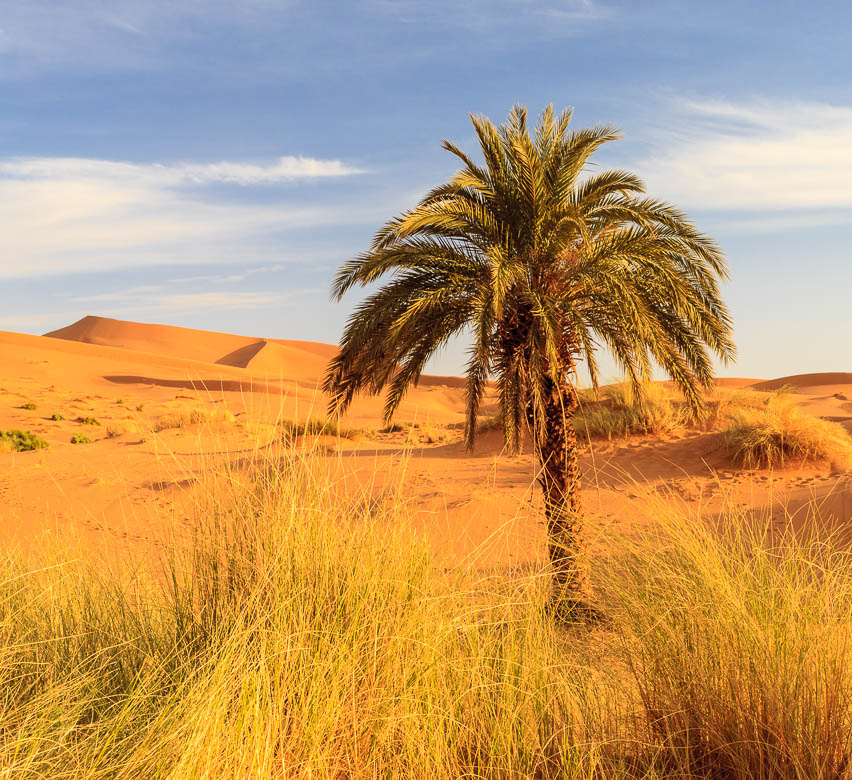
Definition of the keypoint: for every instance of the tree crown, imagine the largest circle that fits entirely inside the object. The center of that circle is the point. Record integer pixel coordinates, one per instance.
(544, 264)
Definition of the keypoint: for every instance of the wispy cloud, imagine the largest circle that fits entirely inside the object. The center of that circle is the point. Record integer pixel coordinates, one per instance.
(75, 214)
(493, 14)
(241, 173)
(757, 155)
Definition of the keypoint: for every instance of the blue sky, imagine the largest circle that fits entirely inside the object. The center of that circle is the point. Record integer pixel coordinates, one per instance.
(211, 163)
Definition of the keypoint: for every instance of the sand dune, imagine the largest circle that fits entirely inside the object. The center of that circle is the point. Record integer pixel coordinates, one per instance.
(291, 359)
(130, 376)
(807, 381)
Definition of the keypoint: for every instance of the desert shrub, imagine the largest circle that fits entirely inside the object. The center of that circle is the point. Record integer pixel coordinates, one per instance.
(120, 428)
(80, 438)
(491, 422)
(29, 405)
(88, 420)
(619, 414)
(417, 432)
(57, 416)
(738, 644)
(197, 416)
(775, 430)
(20, 441)
(290, 429)
(140, 407)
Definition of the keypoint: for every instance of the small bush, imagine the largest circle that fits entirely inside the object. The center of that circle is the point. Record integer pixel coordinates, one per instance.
(776, 430)
(491, 422)
(199, 416)
(619, 414)
(29, 405)
(80, 438)
(140, 407)
(420, 432)
(290, 429)
(119, 401)
(116, 429)
(88, 420)
(20, 441)
(56, 416)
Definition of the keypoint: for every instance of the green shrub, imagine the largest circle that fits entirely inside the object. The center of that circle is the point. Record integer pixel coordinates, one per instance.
(57, 416)
(29, 405)
(20, 441)
(88, 420)
(80, 438)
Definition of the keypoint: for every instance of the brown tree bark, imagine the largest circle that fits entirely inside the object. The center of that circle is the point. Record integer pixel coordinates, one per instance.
(555, 442)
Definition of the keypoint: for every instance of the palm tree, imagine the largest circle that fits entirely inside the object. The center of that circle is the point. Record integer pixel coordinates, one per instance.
(543, 265)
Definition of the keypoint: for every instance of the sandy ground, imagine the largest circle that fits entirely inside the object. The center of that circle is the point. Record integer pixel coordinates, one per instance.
(481, 505)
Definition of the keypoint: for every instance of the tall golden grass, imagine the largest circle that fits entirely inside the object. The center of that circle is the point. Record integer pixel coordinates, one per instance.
(303, 631)
(772, 429)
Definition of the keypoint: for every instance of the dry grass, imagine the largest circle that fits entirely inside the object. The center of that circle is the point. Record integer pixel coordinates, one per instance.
(299, 632)
(291, 429)
(201, 415)
(773, 430)
(617, 413)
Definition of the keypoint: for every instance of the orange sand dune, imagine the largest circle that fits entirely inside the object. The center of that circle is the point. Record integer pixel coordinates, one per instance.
(207, 346)
(806, 381)
(135, 473)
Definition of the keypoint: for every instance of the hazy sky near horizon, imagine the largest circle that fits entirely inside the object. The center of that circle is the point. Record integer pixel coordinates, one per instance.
(210, 164)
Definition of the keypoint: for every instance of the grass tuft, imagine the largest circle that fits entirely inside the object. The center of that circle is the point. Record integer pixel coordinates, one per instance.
(617, 413)
(775, 430)
(29, 405)
(291, 429)
(198, 416)
(57, 416)
(80, 438)
(20, 441)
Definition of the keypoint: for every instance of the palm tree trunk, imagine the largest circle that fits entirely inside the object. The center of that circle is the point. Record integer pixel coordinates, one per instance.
(556, 448)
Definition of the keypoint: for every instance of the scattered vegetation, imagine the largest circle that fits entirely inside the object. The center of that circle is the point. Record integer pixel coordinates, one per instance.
(57, 416)
(290, 429)
(300, 633)
(88, 420)
(421, 432)
(140, 407)
(29, 405)
(119, 401)
(198, 416)
(618, 413)
(120, 428)
(773, 430)
(20, 441)
(80, 438)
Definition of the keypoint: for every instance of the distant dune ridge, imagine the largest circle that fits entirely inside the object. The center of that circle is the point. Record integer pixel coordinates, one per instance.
(306, 360)
(292, 359)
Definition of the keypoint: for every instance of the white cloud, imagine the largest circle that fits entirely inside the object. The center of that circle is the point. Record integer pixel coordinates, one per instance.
(159, 298)
(760, 155)
(155, 174)
(73, 214)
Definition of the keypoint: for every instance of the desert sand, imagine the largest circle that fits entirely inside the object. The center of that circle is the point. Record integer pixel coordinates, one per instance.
(131, 478)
